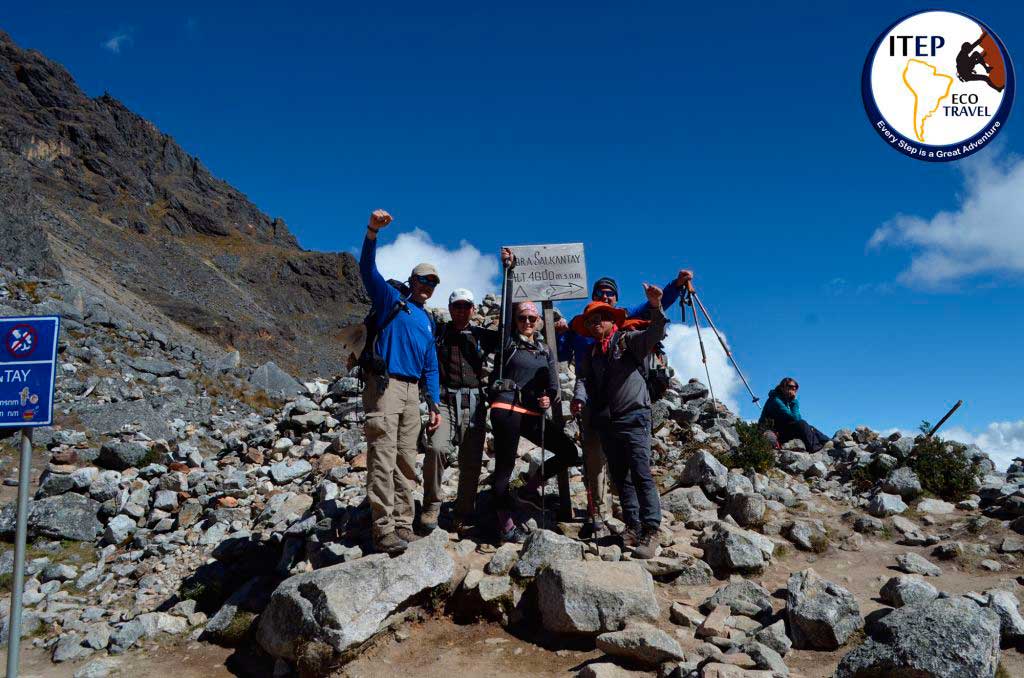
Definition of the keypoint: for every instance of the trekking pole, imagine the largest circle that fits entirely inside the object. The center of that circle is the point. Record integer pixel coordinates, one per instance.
(725, 347)
(591, 509)
(703, 352)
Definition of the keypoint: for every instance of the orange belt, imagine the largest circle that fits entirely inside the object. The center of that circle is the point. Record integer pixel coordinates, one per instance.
(514, 408)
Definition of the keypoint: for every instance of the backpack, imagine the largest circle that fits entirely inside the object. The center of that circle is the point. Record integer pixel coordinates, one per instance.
(475, 356)
(655, 370)
(369, 360)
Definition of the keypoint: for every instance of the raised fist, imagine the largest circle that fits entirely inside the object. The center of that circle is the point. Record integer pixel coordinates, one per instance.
(684, 279)
(379, 219)
(508, 260)
(653, 293)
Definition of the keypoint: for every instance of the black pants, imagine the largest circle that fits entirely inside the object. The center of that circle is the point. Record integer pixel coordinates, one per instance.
(627, 446)
(812, 438)
(508, 427)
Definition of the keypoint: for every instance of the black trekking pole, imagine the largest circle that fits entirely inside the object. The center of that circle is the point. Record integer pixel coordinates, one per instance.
(700, 340)
(591, 509)
(725, 347)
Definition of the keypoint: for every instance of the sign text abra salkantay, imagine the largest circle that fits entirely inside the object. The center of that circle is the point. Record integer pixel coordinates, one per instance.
(548, 272)
(28, 359)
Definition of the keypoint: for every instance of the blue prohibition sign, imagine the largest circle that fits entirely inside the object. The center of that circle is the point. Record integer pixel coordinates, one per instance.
(967, 61)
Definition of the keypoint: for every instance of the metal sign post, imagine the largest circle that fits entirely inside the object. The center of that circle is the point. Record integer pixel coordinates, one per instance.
(546, 273)
(28, 363)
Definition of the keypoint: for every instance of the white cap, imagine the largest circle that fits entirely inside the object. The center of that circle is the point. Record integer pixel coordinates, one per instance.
(460, 294)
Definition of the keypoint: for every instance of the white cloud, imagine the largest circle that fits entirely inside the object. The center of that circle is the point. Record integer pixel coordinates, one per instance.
(1001, 440)
(117, 41)
(683, 351)
(983, 236)
(464, 266)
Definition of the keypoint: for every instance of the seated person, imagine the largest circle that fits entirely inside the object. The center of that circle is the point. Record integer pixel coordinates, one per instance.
(781, 414)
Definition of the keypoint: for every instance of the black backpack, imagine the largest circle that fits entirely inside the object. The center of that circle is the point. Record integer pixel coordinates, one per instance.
(656, 372)
(369, 360)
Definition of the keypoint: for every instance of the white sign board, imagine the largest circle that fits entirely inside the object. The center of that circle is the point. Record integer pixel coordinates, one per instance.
(549, 272)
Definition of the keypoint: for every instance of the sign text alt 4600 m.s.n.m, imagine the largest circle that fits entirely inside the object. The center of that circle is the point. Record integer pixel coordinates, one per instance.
(28, 361)
(549, 272)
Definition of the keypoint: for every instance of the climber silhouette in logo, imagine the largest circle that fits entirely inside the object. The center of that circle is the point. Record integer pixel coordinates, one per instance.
(988, 57)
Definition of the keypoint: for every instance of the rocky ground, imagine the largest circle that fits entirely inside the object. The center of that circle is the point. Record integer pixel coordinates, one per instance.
(196, 513)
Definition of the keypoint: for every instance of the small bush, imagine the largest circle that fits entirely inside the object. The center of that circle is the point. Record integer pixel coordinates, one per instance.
(865, 477)
(754, 453)
(943, 468)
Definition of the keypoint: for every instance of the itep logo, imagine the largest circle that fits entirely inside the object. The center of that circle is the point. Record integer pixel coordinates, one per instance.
(938, 85)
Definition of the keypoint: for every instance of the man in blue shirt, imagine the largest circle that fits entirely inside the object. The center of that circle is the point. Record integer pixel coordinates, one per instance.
(573, 346)
(405, 357)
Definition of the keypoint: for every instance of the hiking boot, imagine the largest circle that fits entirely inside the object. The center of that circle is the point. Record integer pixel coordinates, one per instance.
(597, 530)
(516, 535)
(428, 521)
(407, 535)
(526, 493)
(390, 544)
(630, 537)
(646, 545)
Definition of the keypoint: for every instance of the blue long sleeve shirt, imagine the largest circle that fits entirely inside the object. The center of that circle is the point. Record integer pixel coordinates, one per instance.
(572, 346)
(407, 343)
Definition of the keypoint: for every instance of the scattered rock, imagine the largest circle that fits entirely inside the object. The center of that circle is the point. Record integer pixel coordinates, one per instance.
(821, 615)
(594, 596)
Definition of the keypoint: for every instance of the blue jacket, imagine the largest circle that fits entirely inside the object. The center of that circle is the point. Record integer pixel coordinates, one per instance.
(407, 343)
(780, 410)
(572, 346)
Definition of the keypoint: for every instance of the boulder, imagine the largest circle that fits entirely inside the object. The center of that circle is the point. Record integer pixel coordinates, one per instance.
(936, 506)
(732, 550)
(883, 505)
(807, 535)
(682, 502)
(907, 589)
(119, 455)
(774, 636)
(742, 597)
(594, 596)
(1011, 623)
(904, 482)
(68, 516)
(943, 638)
(705, 470)
(543, 548)
(912, 563)
(641, 643)
(821, 615)
(503, 560)
(747, 508)
(342, 606)
(275, 381)
(283, 472)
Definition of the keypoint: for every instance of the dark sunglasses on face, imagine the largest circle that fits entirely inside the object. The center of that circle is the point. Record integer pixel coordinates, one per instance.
(527, 318)
(604, 294)
(462, 305)
(426, 280)
(792, 386)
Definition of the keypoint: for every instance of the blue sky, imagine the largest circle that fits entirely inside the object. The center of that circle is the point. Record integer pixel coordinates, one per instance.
(729, 139)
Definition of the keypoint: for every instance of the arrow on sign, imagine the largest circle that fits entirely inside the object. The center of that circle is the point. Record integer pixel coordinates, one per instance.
(563, 289)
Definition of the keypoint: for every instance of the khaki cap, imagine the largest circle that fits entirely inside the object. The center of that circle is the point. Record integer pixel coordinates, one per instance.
(426, 270)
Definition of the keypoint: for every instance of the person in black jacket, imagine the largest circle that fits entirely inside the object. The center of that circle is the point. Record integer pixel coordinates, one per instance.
(610, 381)
(462, 351)
(520, 398)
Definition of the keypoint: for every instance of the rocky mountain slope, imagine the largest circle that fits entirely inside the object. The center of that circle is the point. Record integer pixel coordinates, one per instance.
(177, 504)
(93, 192)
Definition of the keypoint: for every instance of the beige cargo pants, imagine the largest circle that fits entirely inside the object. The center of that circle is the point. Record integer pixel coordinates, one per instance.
(392, 428)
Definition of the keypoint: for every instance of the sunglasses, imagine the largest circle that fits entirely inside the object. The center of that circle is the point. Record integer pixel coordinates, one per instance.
(792, 386)
(596, 318)
(528, 318)
(462, 305)
(604, 294)
(426, 280)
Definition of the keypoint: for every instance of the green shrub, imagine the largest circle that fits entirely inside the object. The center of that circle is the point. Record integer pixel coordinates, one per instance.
(865, 477)
(754, 453)
(944, 469)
